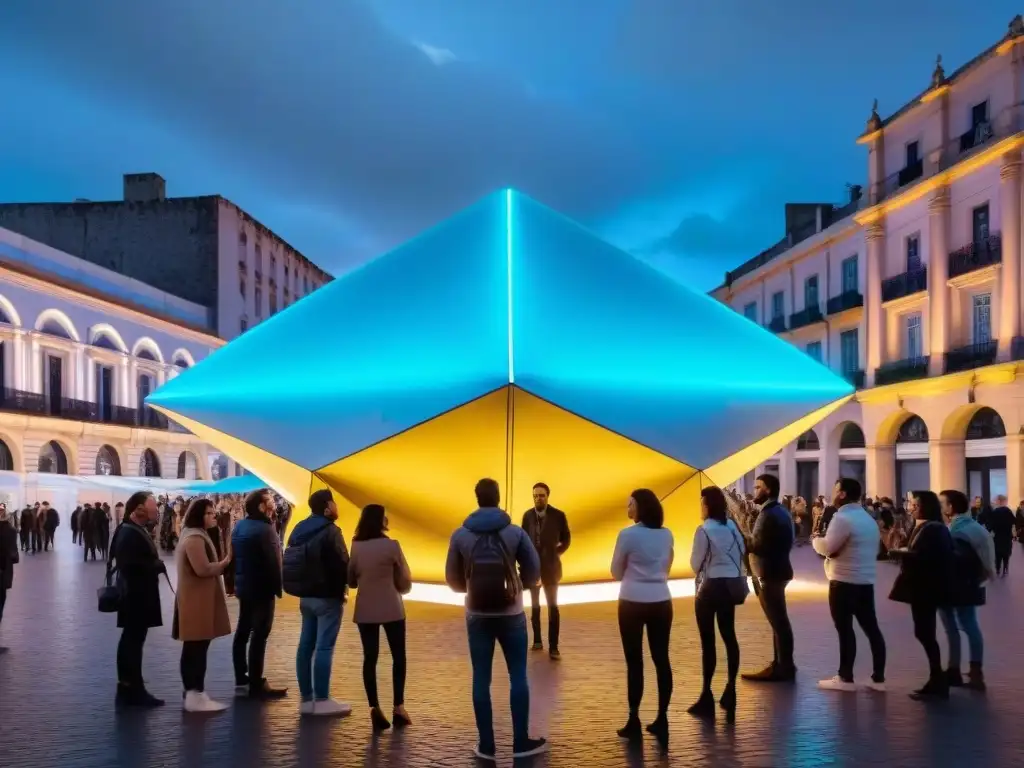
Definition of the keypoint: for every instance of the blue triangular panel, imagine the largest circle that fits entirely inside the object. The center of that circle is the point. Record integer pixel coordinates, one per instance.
(602, 334)
(393, 343)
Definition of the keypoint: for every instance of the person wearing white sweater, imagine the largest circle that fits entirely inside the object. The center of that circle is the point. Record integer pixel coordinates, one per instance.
(850, 548)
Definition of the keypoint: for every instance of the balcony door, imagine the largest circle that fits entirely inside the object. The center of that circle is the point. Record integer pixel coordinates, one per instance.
(851, 284)
(811, 293)
(979, 224)
(982, 318)
(105, 392)
(145, 389)
(53, 382)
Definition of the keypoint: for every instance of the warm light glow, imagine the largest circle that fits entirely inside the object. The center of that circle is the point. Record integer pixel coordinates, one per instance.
(605, 592)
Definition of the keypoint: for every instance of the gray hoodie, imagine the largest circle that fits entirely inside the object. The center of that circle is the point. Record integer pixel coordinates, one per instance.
(460, 548)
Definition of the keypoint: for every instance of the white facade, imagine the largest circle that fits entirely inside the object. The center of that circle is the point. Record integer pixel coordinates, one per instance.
(76, 364)
(926, 319)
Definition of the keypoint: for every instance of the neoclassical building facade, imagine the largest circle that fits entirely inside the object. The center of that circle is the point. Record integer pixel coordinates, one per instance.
(76, 363)
(912, 290)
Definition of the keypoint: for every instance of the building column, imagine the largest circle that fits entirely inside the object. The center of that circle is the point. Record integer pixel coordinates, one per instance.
(947, 465)
(880, 471)
(19, 375)
(1014, 468)
(1010, 226)
(787, 469)
(874, 315)
(938, 279)
(79, 367)
(133, 385)
(35, 367)
(89, 386)
(123, 394)
(828, 469)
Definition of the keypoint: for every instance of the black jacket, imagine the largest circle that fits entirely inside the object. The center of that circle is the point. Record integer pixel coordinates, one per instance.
(926, 568)
(257, 551)
(1000, 522)
(139, 567)
(8, 554)
(771, 542)
(327, 544)
(551, 541)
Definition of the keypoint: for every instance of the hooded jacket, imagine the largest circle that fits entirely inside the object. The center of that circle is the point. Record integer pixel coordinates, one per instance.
(460, 549)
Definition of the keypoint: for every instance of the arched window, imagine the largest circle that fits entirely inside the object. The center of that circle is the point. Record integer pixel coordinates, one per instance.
(145, 354)
(105, 342)
(53, 328)
(4, 317)
(107, 461)
(808, 441)
(149, 464)
(985, 424)
(914, 430)
(52, 459)
(219, 467)
(6, 459)
(188, 467)
(852, 436)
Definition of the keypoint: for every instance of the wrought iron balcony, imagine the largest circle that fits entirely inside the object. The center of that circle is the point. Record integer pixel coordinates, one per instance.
(805, 317)
(976, 255)
(855, 377)
(902, 370)
(36, 404)
(971, 356)
(777, 324)
(844, 301)
(906, 284)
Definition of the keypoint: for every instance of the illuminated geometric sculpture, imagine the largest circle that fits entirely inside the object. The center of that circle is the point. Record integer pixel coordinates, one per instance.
(506, 342)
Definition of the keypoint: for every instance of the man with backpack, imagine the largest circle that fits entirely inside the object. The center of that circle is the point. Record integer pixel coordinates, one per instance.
(483, 556)
(316, 571)
(974, 564)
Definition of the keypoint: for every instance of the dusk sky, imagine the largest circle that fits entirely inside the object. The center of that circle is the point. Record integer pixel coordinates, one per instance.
(677, 129)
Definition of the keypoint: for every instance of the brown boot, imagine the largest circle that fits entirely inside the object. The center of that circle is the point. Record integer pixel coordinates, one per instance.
(975, 677)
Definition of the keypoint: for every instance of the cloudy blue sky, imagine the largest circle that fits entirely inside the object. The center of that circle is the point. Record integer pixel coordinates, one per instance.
(675, 128)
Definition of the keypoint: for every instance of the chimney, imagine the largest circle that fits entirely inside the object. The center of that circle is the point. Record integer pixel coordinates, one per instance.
(144, 187)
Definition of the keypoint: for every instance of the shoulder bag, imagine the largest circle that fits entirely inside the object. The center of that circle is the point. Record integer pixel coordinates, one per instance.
(737, 587)
(110, 596)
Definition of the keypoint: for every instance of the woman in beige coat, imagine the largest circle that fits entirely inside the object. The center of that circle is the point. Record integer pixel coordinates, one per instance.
(200, 606)
(378, 570)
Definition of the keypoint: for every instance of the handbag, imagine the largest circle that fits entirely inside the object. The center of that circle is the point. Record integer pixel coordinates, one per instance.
(737, 587)
(111, 594)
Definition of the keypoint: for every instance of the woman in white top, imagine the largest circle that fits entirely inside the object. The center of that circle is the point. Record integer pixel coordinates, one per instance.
(716, 558)
(642, 560)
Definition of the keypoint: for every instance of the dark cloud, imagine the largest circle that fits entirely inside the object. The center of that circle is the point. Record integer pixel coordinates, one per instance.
(702, 234)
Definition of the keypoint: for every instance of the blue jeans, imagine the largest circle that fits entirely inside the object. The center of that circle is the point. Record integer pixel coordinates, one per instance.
(966, 617)
(510, 633)
(321, 621)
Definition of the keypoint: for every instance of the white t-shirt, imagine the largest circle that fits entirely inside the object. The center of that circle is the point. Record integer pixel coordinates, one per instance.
(641, 561)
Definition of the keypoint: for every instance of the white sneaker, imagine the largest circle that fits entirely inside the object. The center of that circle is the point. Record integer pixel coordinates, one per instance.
(197, 701)
(875, 686)
(331, 708)
(306, 707)
(836, 684)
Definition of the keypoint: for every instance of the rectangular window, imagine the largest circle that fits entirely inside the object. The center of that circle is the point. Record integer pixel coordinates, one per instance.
(979, 114)
(814, 351)
(915, 340)
(851, 280)
(849, 350)
(259, 257)
(913, 253)
(811, 292)
(272, 298)
(983, 318)
(241, 287)
(258, 298)
(243, 323)
(273, 267)
(913, 153)
(979, 224)
(750, 311)
(778, 305)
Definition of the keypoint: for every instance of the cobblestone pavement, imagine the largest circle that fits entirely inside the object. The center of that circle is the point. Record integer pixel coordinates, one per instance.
(57, 685)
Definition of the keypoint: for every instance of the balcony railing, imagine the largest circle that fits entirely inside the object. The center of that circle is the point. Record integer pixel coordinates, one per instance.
(1005, 124)
(777, 324)
(805, 317)
(906, 284)
(902, 370)
(36, 404)
(856, 378)
(844, 301)
(971, 356)
(976, 255)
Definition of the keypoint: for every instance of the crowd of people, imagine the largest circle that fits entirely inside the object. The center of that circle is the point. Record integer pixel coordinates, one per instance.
(952, 548)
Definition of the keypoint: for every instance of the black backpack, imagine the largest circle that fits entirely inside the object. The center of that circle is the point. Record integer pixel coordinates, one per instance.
(492, 581)
(303, 567)
(966, 563)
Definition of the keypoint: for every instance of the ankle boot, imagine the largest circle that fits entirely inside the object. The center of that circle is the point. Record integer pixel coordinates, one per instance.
(953, 678)
(632, 730)
(975, 677)
(659, 727)
(728, 700)
(704, 706)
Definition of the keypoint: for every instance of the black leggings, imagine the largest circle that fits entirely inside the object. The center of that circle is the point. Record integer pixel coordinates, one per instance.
(129, 656)
(924, 617)
(657, 617)
(193, 664)
(714, 601)
(369, 635)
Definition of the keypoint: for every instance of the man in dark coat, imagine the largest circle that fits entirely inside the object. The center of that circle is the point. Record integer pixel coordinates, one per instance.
(28, 520)
(8, 558)
(101, 529)
(51, 519)
(74, 523)
(548, 529)
(138, 572)
(1000, 522)
(88, 524)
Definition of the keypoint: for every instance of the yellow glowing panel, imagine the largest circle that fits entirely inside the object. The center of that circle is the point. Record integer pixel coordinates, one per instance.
(733, 467)
(682, 516)
(289, 480)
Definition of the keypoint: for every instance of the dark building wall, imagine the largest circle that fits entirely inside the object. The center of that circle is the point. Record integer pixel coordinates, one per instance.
(170, 244)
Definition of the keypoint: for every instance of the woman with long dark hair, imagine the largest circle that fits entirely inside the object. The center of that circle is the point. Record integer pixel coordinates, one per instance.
(924, 583)
(378, 570)
(642, 560)
(716, 558)
(200, 606)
